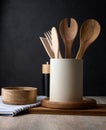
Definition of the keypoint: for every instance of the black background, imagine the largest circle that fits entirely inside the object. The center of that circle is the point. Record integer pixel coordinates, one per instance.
(21, 51)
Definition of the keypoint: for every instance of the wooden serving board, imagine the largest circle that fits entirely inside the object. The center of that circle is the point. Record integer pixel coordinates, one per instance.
(99, 110)
(83, 104)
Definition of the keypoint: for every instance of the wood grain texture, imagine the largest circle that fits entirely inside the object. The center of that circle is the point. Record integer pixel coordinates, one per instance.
(89, 32)
(19, 95)
(47, 47)
(84, 103)
(56, 122)
(100, 110)
(46, 68)
(68, 34)
(55, 42)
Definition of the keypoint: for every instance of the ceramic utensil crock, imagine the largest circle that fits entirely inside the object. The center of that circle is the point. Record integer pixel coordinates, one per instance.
(66, 80)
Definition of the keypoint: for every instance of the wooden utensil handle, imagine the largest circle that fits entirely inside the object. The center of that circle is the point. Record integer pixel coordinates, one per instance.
(67, 51)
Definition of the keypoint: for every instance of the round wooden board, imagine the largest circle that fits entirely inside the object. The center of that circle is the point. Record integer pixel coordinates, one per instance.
(84, 104)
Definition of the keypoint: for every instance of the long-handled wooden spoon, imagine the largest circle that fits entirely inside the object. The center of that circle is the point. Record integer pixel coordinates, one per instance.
(89, 32)
(68, 34)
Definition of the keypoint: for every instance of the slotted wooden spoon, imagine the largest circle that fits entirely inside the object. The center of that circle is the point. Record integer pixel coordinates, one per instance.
(89, 32)
(68, 32)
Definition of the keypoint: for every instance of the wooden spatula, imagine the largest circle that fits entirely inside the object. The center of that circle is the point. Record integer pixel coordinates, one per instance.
(55, 42)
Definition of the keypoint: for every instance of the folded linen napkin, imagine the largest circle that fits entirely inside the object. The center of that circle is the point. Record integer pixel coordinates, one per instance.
(13, 110)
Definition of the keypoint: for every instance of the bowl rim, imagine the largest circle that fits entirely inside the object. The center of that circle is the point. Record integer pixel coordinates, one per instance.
(19, 88)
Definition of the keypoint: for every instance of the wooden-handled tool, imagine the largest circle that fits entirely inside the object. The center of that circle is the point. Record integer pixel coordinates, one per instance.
(49, 39)
(55, 42)
(47, 47)
(68, 34)
(89, 31)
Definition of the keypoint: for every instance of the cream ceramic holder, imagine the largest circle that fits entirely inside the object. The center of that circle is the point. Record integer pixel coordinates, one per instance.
(66, 80)
(66, 85)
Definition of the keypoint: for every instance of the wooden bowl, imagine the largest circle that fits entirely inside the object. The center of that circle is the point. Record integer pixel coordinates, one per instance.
(19, 95)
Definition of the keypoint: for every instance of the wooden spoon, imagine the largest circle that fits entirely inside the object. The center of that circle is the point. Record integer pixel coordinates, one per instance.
(68, 34)
(89, 31)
